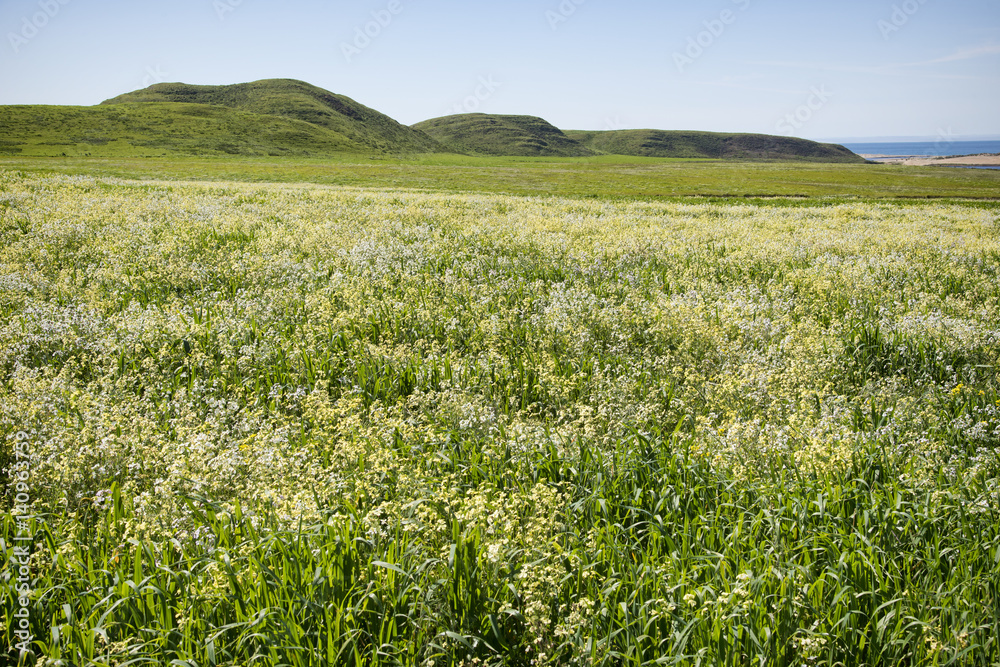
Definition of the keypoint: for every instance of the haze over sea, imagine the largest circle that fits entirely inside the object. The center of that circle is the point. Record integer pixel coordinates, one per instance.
(924, 148)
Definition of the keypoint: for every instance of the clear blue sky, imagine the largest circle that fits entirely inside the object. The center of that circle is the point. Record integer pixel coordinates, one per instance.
(832, 69)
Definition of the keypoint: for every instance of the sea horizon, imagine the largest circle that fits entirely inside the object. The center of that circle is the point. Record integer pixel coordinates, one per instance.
(930, 148)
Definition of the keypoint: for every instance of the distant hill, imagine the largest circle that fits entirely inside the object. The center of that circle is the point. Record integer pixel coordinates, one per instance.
(296, 100)
(485, 134)
(158, 129)
(713, 145)
(285, 117)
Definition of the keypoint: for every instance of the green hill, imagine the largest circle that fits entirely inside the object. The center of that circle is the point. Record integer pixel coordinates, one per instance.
(714, 145)
(284, 117)
(486, 134)
(155, 129)
(300, 101)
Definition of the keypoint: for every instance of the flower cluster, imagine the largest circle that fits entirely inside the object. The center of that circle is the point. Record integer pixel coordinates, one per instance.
(442, 366)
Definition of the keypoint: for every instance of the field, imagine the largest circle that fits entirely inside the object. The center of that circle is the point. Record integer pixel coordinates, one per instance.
(302, 424)
(604, 177)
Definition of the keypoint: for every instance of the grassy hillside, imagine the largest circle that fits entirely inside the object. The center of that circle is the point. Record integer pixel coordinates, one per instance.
(681, 144)
(296, 100)
(486, 134)
(285, 117)
(157, 129)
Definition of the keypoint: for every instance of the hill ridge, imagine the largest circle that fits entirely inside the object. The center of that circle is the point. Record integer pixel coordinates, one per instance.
(502, 135)
(709, 145)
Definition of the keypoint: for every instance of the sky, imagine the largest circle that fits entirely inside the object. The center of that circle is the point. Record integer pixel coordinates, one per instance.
(832, 70)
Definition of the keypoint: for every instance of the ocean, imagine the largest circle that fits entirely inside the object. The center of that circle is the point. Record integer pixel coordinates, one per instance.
(925, 148)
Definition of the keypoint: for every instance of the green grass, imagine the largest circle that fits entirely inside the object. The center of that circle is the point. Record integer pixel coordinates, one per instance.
(712, 145)
(161, 129)
(489, 134)
(296, 100)
(296, 425)
(610, 177)
(684, 566)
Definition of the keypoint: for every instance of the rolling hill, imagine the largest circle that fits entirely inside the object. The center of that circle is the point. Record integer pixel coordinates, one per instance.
(711, 145)
(278, 117)
(486, 134)
(285, 117)
(158, 129)
(296, 100)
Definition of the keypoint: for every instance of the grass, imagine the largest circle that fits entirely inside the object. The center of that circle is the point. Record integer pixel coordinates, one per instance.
(158, 130)
(294, 425)
(604, 177)
(684, 566)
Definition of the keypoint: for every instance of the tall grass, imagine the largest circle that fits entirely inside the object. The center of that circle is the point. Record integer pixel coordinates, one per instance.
(661, 562)
(298, 427)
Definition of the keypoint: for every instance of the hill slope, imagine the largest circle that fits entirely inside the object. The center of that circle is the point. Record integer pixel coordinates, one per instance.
(300, 101)
(155, 129)
(486, 134)
(289, 117)
(683, 144)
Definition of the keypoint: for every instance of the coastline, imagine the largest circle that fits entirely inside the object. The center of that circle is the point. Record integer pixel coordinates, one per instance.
(979, 160)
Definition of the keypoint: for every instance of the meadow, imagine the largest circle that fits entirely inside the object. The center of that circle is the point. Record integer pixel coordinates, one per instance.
(303, 424)
(613, 177)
